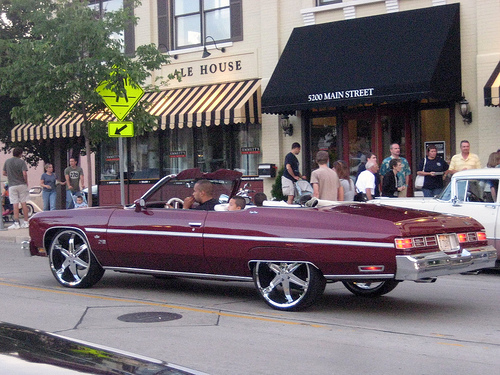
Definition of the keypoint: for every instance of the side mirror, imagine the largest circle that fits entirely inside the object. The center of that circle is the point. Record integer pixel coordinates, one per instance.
(454, 201)
(140, 204)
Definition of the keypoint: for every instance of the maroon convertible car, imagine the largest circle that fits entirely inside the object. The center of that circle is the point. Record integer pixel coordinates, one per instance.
(290, 253)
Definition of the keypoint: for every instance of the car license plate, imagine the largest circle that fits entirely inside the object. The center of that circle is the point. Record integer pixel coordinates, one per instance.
(448, 242)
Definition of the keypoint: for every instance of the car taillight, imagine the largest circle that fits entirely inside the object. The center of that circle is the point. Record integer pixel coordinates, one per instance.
(481, 236)
(471, 237)
(431, 241)
(415, 242)
(404, 243)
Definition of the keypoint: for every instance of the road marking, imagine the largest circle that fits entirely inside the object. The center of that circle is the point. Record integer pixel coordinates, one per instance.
(159, 304)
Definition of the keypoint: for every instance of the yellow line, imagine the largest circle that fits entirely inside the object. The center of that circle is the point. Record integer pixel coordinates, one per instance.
(447, 343)
(192, 309)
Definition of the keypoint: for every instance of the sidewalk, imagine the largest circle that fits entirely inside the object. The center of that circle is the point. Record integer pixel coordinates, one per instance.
(14, 235)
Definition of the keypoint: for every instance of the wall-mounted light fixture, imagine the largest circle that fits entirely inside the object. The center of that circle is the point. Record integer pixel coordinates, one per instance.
(205, 51)
(465, 110)
(285, 125)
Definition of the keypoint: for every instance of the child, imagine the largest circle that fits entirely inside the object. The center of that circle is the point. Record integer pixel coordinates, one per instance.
(80, 203)
(236, 203)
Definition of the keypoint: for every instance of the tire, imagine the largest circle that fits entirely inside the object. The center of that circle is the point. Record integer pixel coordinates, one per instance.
(72, 262)
(288, 286)
(370, 288)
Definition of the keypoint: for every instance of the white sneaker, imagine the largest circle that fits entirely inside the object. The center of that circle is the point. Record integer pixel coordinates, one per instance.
(25, 224)
(14, 226)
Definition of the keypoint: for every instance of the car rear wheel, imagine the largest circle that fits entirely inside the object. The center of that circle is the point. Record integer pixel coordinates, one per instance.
(369, 288)
(288, 285)
(71, 260)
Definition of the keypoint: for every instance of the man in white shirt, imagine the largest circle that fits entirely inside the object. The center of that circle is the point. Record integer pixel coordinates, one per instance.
(366, 180)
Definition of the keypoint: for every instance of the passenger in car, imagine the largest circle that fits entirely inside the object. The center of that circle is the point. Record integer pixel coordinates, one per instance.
(236, 204)
(203, 194)
(259, 198)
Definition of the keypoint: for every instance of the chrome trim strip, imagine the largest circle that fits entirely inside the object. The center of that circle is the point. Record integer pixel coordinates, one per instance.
(245, 238)
(301, 240)
(96, 230)
(156, 233)
(180, 274)
(373, 276)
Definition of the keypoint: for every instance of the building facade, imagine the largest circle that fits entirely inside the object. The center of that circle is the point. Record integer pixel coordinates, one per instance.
(343, 76)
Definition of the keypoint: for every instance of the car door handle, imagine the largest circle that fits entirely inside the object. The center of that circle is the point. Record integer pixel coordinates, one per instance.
(195, 225)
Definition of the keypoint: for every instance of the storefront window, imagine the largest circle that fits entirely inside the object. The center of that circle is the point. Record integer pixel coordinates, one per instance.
(248, 154)
(144, 157)
(360, 131)
(110, 160)
(235, 146)
(435, 125)
(393, 131)
(324, 138)
(179, 153)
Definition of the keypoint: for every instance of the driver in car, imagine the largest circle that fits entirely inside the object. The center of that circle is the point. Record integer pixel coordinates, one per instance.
(203, 194)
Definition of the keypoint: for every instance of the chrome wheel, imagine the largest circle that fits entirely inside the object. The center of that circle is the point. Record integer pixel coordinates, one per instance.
(72, 262)
(370, 288)
(288, 285)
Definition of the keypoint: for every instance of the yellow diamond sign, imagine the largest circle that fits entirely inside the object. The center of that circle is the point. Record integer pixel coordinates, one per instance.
(122, 104)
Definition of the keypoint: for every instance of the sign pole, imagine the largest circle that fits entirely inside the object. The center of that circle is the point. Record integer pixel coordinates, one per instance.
(122, 167)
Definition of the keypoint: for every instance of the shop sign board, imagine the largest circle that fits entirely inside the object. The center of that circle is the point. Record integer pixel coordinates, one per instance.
(120, 129)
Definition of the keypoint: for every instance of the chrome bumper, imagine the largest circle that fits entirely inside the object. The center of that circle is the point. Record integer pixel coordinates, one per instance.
(424, 266)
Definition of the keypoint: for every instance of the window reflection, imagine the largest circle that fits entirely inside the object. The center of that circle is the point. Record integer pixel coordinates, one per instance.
(324, 138)
(144, 157)
(360, 142)
(195, 20)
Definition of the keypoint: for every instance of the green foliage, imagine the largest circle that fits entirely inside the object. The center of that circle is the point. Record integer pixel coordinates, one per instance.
(276, 190)
(54, 53)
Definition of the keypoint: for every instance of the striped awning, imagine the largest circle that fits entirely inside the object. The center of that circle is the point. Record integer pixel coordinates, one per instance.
(492, 89)
(223, 103)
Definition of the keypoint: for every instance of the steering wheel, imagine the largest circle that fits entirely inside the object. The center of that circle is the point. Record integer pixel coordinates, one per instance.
(175, 202)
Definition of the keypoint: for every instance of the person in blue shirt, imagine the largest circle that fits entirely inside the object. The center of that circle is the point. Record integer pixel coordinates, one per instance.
(433, 168)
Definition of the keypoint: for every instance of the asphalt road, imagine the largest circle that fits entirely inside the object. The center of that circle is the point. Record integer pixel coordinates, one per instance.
(449, 327)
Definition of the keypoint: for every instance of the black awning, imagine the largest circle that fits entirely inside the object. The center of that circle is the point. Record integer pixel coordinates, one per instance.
(395, 57)
(492, 89)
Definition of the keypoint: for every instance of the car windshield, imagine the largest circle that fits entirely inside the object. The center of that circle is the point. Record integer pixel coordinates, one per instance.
(472, 190)
(445, 194)
(181, 186)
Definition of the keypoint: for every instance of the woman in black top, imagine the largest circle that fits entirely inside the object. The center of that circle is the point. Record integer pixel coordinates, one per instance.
(390, 182)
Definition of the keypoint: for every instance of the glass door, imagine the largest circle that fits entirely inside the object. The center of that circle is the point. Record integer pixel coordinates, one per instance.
(359, 140)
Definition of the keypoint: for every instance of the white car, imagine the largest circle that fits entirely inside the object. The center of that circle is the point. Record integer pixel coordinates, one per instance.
(471, 193)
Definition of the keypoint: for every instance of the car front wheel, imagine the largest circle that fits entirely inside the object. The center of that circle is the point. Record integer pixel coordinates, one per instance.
(71, 260)
(288, 285)
(369, 288)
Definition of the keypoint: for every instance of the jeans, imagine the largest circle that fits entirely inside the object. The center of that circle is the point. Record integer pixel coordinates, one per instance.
(432, 192)
(49, 200)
